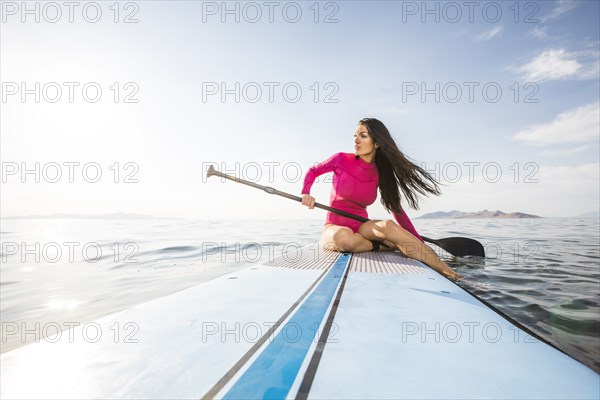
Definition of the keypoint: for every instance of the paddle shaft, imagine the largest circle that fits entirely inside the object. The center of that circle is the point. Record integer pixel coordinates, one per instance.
(270, 190)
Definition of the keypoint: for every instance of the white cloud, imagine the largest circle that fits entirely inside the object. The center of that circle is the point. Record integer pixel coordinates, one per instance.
(539, 33)
(551, 65)
(561, 7)
(579, 125)
(488, 35)
(565, 151)
(585, 173)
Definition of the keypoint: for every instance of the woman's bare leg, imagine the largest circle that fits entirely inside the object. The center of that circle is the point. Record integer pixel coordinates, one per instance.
(409, 245)
(341, 238)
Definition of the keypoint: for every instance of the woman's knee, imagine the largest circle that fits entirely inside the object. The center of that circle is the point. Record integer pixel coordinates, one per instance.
(339, 239)
(391, 230)
(386, 226)
(346, 241)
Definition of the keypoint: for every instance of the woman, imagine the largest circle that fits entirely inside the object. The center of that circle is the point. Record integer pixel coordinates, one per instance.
(376, 161)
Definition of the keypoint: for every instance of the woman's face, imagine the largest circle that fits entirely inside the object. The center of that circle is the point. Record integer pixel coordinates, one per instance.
(363, 143)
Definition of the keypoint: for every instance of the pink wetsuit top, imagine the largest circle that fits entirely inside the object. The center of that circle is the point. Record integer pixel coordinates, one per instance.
(354, 188)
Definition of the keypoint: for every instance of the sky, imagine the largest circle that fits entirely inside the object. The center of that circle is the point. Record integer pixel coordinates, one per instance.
(120, 107)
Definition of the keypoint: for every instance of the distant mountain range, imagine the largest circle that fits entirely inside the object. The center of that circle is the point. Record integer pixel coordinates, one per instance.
(478, 214)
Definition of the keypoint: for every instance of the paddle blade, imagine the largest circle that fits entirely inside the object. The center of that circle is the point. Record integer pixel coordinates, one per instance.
(459, 246)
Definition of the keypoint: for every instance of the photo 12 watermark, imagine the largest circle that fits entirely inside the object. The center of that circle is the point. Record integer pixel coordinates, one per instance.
(69, 172)
(488, 172)
(252, 12)
(269, 92)
(54, 332)
(253, 332)
(287, 254)
(69, 252)
(522, 253)
(265, 171)
(469, 92)
(70, 92)
(57, 12)
(461, 332)
(452, 12)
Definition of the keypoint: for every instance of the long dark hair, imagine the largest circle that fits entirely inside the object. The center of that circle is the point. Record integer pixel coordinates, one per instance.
(396, 171)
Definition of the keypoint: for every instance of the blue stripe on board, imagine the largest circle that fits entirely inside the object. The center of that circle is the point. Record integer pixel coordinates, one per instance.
(274, 371)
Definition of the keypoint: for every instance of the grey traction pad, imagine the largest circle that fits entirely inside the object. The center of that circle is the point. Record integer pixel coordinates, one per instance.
(309, 257)
(385, 262)
(381, 262)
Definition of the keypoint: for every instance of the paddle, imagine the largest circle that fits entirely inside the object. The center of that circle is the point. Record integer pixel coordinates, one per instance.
(457, 246)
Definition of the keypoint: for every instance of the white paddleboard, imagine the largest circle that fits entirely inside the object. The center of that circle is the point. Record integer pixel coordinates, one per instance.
(312, 325)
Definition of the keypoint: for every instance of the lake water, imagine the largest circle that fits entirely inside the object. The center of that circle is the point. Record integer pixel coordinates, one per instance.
(544, 273)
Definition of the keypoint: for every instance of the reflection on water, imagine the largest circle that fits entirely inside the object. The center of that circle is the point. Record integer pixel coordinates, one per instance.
(544, 273)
